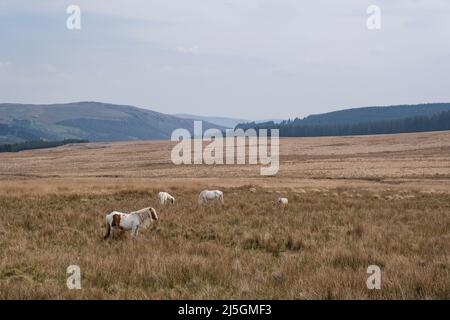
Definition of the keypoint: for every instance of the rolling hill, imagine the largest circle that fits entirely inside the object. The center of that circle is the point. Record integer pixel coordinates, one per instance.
(374, 114)
(365, 121)
(93, 121)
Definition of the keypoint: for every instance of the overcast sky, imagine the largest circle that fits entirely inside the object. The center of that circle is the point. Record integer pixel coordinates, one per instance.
(253, 59)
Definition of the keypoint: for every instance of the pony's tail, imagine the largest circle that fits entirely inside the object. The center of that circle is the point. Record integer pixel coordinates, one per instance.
(221, 198)
(108, 231)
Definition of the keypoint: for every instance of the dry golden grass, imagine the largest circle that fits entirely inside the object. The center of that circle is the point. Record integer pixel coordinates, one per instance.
(353, 202)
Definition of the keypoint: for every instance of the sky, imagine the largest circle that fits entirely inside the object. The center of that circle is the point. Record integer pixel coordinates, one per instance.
(251, 59)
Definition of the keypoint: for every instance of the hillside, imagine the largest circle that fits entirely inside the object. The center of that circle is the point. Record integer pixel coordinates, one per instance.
(373, 114)
(365, 121)
(91, 121)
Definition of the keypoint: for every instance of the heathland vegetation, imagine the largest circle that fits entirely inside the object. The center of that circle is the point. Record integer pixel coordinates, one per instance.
(353, 202)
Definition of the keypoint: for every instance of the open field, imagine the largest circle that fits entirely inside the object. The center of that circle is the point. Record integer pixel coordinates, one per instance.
(353, 202)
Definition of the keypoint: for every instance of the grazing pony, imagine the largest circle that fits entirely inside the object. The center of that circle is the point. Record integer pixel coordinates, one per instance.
(207, 195)
(283, 201)
(130, 221)
(164, 198)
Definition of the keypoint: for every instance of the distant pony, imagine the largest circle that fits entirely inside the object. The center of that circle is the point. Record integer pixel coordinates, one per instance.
(207, 195)
(164, 198)
(130, 221)
(282, 201)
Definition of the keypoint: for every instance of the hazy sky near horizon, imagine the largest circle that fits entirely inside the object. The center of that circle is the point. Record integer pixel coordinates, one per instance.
(253, 59)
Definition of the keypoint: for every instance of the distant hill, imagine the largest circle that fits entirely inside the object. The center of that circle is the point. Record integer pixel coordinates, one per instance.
(361, 121)
(221, 121)
(372, 114)
(95, 121)
(91, 121)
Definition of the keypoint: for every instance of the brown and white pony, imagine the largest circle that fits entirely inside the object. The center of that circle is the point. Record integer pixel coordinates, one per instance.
(130, 221)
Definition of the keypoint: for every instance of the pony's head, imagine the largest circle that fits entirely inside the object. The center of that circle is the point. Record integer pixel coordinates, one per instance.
(153, 214)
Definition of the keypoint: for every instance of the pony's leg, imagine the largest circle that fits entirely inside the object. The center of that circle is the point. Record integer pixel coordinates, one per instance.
(135, 231)
(108, 231)
(111, 232)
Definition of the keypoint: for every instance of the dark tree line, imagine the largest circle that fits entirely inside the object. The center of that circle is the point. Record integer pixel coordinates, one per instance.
(293, 128)
(37, 144)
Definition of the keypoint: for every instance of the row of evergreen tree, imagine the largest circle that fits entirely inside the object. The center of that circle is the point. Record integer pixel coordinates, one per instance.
(37, 144)
(291, 128)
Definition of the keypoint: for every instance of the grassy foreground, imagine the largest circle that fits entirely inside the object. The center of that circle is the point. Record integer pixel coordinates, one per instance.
(318, 247)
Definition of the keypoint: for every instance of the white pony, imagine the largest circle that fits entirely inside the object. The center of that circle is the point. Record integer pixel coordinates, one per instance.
(283, 201)
(130, 221)
(207, 195)
(164, 198)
